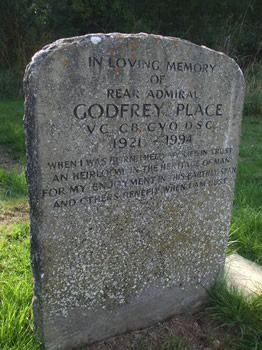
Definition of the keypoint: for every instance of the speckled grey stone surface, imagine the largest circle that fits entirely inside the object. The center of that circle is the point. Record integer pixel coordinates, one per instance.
(132, 144)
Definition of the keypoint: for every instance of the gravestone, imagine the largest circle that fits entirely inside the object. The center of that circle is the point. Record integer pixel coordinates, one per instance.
(132, 144)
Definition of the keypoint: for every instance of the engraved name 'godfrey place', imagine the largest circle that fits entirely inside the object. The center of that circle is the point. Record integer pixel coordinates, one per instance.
(125, 110)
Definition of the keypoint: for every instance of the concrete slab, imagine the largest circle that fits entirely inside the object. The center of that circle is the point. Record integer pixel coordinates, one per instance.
(243, 274)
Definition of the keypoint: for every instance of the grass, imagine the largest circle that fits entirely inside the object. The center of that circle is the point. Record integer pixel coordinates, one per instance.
(239, 315)
(246, 223)
(16, 287)
(16, 325)
(12, 184)
(253, 101)
(11, 128)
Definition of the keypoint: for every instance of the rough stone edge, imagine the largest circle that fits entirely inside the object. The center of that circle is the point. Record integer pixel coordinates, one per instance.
(30, 129)
(39, 56)
(32, 176)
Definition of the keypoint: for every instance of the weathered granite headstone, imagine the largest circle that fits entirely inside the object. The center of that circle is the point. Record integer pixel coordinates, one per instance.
(132, 144)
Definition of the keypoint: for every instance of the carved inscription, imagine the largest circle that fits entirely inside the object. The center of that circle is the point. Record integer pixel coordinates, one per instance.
(144, 118)
(102, 180)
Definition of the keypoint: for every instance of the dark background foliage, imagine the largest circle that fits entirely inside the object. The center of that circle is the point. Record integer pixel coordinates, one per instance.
(231, 26)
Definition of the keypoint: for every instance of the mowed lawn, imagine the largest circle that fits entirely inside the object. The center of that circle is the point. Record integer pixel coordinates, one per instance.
(242, 318)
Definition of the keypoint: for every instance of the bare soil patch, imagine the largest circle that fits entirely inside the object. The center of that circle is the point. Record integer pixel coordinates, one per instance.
(195, 331)
(12, 214)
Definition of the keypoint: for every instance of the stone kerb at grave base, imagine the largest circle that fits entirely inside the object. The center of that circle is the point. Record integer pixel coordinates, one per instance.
(132, 144)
